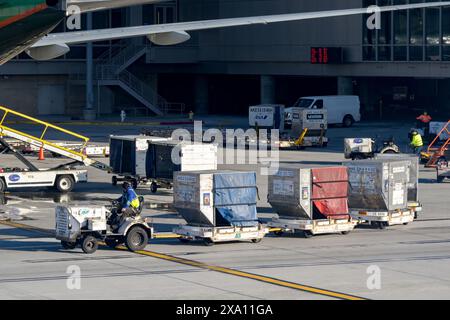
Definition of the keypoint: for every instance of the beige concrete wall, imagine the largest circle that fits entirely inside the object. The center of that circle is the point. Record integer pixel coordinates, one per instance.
(20, 93)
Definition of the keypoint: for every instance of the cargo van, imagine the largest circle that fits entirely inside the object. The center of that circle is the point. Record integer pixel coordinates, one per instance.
(343, 110)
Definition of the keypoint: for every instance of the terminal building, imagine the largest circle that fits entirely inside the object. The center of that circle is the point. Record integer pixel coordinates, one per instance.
(401, 68)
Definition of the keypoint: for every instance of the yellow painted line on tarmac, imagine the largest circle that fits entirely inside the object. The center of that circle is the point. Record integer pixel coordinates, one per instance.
(27, 227)
(247, 275)
(197, 264)
(166, 236)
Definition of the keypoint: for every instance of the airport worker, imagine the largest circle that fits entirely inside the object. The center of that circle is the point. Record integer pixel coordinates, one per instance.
(123, 116)
(424, 119)
(423, 122)
(416, 142)
(191, 115)
(129, 202)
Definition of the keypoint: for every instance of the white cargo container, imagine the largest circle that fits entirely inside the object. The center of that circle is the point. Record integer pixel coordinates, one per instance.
(153, 160)
(267, 116)
(218, 206)
(309, 128)
(358, 148)
(379, 192)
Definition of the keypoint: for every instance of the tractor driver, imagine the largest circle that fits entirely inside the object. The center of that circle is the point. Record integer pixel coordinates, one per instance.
(129, 201)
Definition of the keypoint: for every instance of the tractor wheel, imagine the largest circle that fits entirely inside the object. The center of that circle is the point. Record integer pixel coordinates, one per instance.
(137, 239)
(89, 244)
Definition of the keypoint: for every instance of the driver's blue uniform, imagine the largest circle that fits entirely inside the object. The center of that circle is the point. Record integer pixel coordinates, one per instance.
(129, 200)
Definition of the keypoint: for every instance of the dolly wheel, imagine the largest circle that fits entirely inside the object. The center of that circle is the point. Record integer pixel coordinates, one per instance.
(278, 233)
(382, 225)
(154, 187)
(114, 181)
(307, 234)
(345, 233)
(68, 245)
(406, 223)
(258, 240)
(137, 239)
(208, 242)
(89, 244)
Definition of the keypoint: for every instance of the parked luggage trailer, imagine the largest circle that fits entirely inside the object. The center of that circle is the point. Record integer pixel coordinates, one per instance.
(310, 200)
(379, 192)
(218, 206)
(413, 179)
(148, 160)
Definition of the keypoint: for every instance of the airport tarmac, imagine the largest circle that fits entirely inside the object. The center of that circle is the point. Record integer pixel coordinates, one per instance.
(414, 260)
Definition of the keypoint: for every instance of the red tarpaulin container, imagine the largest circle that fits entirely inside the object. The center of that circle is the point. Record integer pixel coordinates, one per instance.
(330, 191)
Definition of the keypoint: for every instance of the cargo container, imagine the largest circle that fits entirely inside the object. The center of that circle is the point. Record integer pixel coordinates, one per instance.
(148, 160)
(310, 200)
(379, 192)
(413, 178)
(218, 206)
(309, 129)
(266, 116)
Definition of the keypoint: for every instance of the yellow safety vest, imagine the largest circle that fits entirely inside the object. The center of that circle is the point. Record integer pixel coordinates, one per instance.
(417, 141)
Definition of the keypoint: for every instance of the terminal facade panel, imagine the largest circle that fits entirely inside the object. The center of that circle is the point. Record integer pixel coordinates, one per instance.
(404, 65)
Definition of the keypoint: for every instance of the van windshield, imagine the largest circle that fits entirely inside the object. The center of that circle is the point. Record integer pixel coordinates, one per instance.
(303, 103)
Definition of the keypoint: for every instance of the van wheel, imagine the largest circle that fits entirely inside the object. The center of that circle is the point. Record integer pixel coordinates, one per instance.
(114, 181)
(154, 187)
(137, 239)
(348, 121)
(65, 184)
(2, 185)
(307, 234)
(89, 244)
(208, 242)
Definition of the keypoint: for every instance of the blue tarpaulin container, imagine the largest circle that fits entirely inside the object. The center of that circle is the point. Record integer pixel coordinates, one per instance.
(217, 198)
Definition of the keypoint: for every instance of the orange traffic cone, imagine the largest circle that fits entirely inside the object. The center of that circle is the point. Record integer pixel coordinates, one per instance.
(41, 154)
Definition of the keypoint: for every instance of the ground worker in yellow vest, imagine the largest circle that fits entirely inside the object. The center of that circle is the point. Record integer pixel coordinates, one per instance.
(416, 142)
(129, 201)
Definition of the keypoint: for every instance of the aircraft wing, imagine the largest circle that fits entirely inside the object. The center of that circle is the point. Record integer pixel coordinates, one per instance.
(97, 5)
(168, 34)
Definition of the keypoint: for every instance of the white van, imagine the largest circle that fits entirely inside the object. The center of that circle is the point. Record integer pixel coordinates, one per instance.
(343, 110)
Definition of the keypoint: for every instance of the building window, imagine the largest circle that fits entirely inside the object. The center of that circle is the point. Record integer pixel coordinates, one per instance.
(409, 35)
(165, 12)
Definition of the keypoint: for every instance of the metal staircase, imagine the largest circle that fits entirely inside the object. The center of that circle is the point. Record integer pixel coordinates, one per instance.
(111, 70)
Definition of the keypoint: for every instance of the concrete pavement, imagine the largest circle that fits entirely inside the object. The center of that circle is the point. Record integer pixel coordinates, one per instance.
(414, 260)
